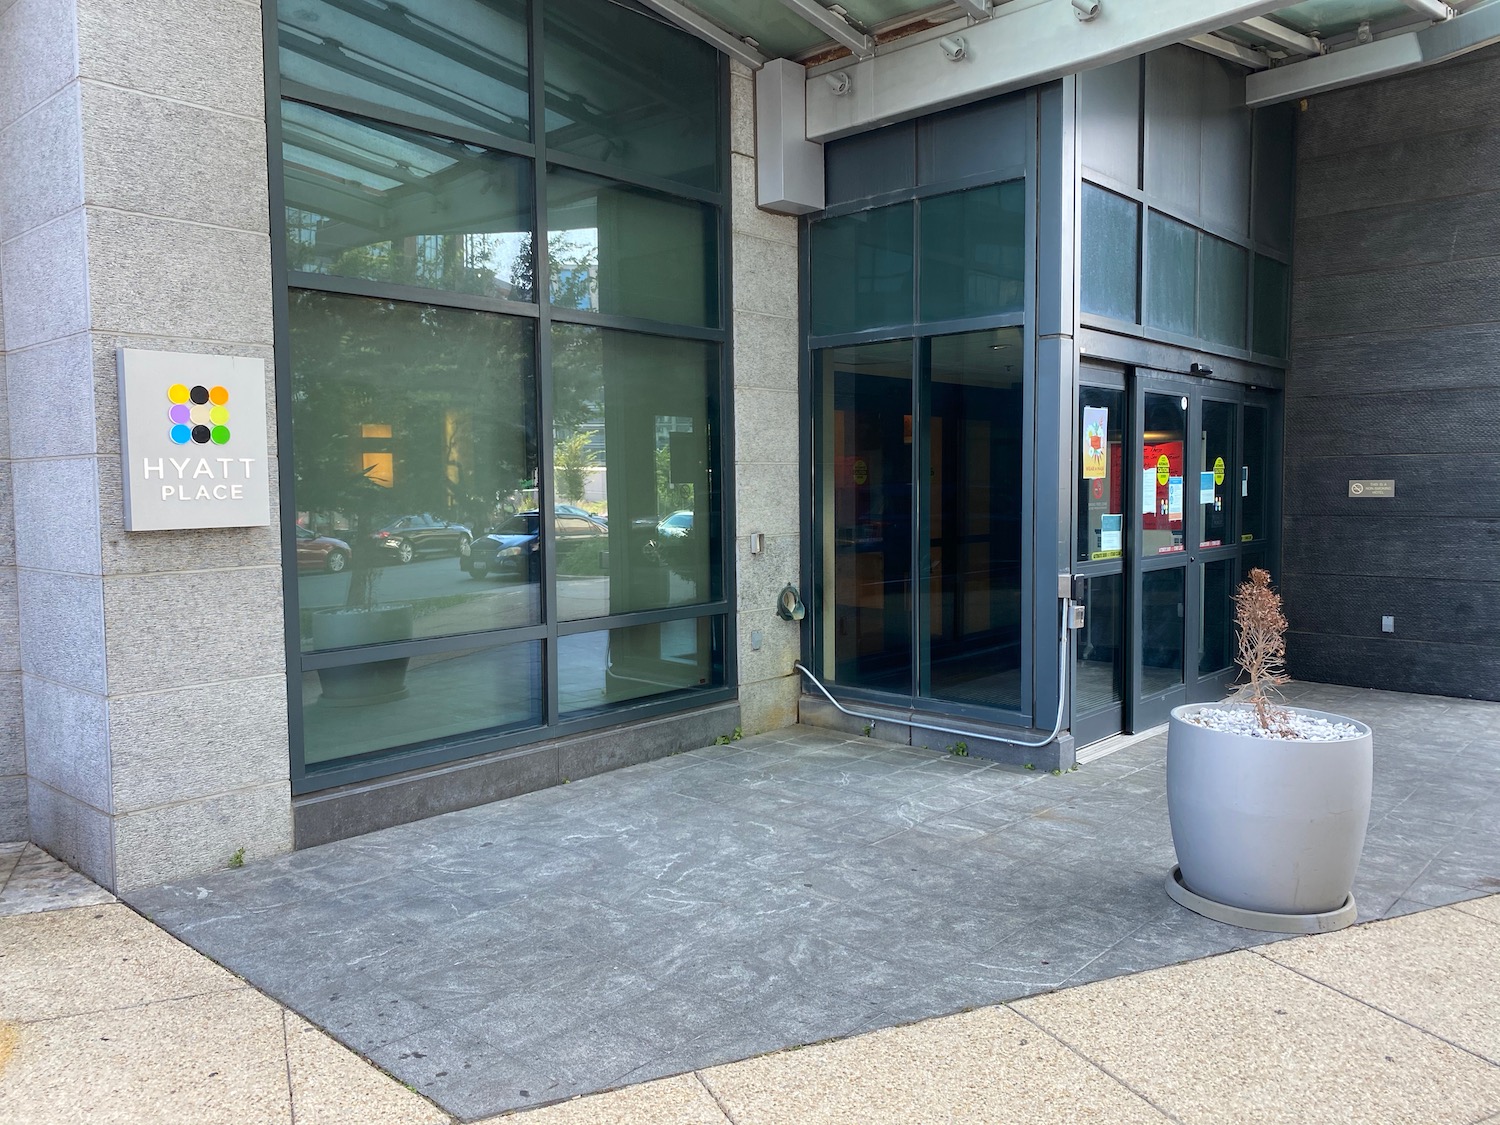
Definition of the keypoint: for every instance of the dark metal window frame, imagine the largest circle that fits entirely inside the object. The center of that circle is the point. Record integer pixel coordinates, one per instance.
(919, 334)
(541, 315)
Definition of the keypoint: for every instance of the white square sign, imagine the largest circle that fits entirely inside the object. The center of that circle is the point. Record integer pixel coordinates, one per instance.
(193, 440)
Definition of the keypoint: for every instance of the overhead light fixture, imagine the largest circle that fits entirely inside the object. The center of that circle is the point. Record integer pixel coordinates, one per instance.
(838, 82)
(1085, 9)
(1200, 369)
(954, 47)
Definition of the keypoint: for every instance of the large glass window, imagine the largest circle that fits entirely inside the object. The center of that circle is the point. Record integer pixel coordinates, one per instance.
(975, 513)
(413, 432)
(467, 481)
(620, 249)
(1171, 275)
(386, 204)
(862, 268)
(634, 420)
(448, 62)
(1222, 282)
(622, 92)
(1111, 254)
(1101, 480)
(973, 252)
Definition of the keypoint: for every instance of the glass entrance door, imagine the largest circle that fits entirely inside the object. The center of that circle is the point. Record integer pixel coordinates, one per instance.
(1173, 507)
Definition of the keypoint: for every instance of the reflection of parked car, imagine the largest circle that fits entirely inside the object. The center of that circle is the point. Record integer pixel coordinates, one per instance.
(513, 550)
(319, 552)
(677, 525)
(575, 510)
(406, 537)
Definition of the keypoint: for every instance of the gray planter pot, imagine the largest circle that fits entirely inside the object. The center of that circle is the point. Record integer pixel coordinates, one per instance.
(1266, 826)
(378, 681)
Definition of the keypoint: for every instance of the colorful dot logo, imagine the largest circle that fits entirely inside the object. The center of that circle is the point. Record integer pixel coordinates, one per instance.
(199, 415)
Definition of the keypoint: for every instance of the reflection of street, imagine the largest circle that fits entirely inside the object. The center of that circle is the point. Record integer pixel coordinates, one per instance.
(445, 599)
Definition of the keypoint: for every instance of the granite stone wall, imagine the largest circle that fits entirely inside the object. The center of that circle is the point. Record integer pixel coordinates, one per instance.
(152, 665)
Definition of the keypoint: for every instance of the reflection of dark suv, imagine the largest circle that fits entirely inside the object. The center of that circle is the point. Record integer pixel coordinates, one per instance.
(513, 550)
(406, 537)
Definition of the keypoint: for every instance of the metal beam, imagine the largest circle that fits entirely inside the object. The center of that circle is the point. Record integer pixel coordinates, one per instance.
(1432, 9)
(978, 9)
(710, 32)
(833, 25)
(1220, 47)
(1282, 37)
(1435, 43)
(1022, 44)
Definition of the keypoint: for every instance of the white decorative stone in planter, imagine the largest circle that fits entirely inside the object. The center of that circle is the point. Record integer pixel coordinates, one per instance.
(1268, 830)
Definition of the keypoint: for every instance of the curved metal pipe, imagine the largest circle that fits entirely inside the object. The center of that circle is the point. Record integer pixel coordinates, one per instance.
(1062, 695)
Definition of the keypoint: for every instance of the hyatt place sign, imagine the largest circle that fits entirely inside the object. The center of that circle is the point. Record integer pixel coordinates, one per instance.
(193, 440)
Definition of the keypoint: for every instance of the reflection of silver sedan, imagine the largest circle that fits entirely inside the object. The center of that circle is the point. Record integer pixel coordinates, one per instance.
(677, 525)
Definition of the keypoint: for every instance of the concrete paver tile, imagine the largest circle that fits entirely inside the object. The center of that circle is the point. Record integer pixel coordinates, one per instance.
(681, 1100)
(1238, 1038)
(1486, 908)
(1439, 970)
(65, 962)
(983, 1066)
(37, 881)
(208, 1060)
(331, 1085)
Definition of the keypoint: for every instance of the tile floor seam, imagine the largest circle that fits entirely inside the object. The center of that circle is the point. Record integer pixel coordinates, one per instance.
(1090, 1061)
(286, 1062)
(240, 987)
(1259, 952)
(1459, 906)
(718, 1101)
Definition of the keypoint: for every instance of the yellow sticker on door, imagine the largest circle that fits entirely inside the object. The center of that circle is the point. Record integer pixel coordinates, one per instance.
(1163, 469)
(861, 471)
(1218, 470)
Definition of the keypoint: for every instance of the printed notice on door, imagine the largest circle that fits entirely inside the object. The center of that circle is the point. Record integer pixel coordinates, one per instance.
(1095, 442)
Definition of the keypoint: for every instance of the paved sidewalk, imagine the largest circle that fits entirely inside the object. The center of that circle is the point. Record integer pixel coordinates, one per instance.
(106, 1019)
(790, 888)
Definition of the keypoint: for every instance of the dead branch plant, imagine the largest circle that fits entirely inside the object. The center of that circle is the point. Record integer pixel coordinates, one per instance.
(1260, 630)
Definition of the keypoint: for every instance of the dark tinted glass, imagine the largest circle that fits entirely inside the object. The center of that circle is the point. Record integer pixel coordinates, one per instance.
(1254, 484)
(1272, 300)
(1161, 629)
(1101, 474)
(626, 251)
(973, 252)
(635, 418)
(387, 204)
(862, 270)
(1171, 275)
(865, 421)
(975, 518)
(1162, 475)
(1215, 626)
(597, 671)
(413, 433)
(458, 62)
(1222, 283)
(625, 90)
(1111, 254)
(1216, 486)
(1100, 678)
(363, 709)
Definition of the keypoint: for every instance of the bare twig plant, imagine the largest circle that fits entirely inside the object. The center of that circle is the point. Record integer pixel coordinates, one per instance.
(1260, 627)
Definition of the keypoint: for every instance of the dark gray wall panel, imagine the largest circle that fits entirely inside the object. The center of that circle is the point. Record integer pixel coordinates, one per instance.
(869, 164)
(1274, 161)
(974, 140)
(1400, 421)
(1109, 128)
(1225, 151)
(1465, 671)
(1427, 484)
(1446, 293)
(1443, 612)
(1374, 362)
(1456, 95)
(1174, 126)
(1395, 374)
(1385, 173)
(1444, 230)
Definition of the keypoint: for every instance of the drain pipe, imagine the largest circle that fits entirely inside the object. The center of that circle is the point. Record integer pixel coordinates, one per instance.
(1062, 695)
